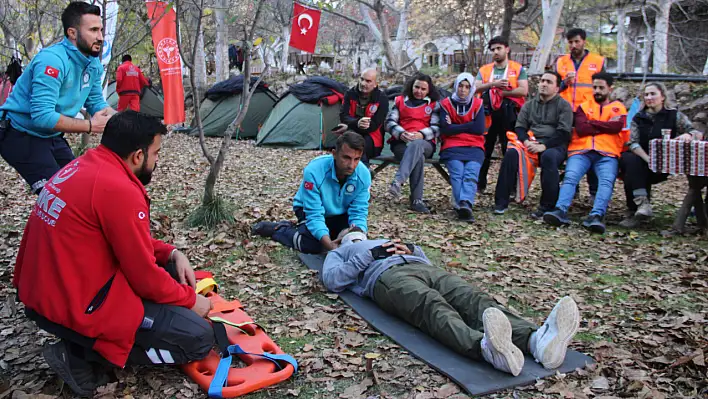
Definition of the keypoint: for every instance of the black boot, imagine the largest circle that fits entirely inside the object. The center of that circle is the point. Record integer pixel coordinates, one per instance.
(81, 376)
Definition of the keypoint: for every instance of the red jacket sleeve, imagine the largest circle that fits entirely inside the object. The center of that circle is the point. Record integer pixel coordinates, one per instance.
(583, 127)
(610, 127)
(124, 217)
(162, 251)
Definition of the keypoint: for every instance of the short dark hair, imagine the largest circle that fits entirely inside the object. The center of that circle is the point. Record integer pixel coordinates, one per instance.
(71, 17)
(576, 32)
(432, 90)
(604, 76)
(129, 131)
(127, 57)
(355, 141)
(556, 74)
(498, 40)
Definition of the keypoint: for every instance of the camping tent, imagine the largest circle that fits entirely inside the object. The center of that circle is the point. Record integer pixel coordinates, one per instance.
(151, 101)
(222, 103)
(305, 116)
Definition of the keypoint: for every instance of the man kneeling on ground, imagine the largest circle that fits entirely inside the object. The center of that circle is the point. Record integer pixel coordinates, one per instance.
(403, 282)
(333, 195)
(89, 272)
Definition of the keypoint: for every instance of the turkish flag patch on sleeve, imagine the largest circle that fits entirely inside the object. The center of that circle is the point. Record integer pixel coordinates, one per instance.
(51, 71)
(309, 185)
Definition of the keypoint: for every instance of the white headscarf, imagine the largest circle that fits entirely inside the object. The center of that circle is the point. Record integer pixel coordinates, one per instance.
(470, 79)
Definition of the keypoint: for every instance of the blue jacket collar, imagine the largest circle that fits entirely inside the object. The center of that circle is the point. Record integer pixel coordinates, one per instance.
(74, 54)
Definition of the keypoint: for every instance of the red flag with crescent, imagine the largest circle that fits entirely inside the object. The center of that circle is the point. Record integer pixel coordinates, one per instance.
(305, 23)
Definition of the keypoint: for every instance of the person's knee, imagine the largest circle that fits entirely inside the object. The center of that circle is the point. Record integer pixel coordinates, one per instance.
(202, 339)
(550, 159)
(419, 146)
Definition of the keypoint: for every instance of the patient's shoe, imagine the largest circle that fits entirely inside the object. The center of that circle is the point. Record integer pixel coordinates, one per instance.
(267, 229)
(497, 347)
(549, 344)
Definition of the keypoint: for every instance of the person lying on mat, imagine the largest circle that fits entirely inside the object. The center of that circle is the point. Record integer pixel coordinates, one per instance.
(333, 195)
(89, 272)
(403, 282)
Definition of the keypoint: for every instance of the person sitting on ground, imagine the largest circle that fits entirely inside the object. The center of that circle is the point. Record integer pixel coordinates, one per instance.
(549, 118)
(656, 114)
(333, 195)
(462, 137)
(403, 282)
(89, 272)
(413, 124)
(596, 145)
(364, 111)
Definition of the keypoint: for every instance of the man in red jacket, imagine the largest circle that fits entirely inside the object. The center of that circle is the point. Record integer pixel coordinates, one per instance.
(129, 84)
(89, 272)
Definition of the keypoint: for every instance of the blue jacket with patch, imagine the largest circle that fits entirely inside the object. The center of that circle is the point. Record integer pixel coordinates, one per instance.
(320, 195)
(60, 80)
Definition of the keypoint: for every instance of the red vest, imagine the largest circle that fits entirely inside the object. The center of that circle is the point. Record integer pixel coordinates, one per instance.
(377, 135)
(414, 119)
(462, 139)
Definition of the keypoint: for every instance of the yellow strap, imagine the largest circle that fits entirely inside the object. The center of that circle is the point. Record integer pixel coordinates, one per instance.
(204, 286)
(235, 325)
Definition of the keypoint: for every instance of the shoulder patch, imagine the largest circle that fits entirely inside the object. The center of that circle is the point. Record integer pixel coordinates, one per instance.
(51, 71)
(309, 185)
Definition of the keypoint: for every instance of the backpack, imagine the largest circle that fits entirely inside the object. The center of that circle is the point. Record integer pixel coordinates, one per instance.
(14, 70)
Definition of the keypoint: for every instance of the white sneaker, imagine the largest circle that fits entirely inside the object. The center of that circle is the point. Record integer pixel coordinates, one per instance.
(497, 347)
(644, 210)
(549, 344)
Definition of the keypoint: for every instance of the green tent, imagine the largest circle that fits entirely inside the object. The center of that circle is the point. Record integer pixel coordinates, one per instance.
(300, 125)
(218, 113)
(151, 101)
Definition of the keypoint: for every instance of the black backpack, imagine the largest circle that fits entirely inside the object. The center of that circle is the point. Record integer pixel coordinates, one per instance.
(14, 70)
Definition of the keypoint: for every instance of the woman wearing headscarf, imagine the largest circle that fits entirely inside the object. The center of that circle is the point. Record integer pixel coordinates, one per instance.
(462, 135)
(656, 115)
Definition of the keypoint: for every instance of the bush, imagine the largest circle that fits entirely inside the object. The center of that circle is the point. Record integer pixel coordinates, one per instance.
(212, 214)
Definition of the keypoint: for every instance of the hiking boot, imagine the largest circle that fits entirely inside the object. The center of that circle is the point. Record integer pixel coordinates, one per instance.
(630, 222)
(643, 208)
(266, 229)
(497, 347)
(549, 343)
(594, 224)
(81, 376)
(464, 212)
(394, 190)
(556, 218)
(419, 206)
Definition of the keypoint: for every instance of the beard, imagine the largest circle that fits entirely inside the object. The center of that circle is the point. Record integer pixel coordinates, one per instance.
(599, 98)
(145, 174)
(87, 48)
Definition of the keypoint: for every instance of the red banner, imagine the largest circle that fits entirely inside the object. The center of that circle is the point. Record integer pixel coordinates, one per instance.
(164, 39)
(305, 23)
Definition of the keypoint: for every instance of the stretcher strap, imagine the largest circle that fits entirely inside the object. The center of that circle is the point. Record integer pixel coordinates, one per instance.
(235, 325)
(206, 285)
(218, 382)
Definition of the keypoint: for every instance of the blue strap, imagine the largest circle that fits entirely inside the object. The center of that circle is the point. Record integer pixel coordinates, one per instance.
(222, 371)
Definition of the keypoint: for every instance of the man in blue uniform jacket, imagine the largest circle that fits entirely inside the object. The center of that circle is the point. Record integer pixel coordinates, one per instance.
(333, 196)
(57, 83)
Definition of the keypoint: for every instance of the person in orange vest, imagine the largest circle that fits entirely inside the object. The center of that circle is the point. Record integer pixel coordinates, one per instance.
(413, 123)
(129, 84)
(596, 144)
(505, 79)
(462, 137)
(364, 111)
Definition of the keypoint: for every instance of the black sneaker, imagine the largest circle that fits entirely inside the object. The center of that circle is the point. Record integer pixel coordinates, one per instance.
(594, 224)
(419, 206)
(266, 229)
(499, 210)
(538, 213)
(464, 212)
(81, 376)
(556, 218)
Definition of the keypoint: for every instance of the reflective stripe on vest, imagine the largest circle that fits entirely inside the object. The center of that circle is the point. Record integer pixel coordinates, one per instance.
(609, 144)
(580, 90)
(371, 108)
(461, 139)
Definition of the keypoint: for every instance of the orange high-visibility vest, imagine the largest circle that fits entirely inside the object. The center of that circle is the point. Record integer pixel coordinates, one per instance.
(512, 73)
(609, 144)
(581, 89)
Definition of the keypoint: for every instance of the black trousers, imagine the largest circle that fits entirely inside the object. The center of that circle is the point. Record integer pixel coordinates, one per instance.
(503, 120)
(168, 335)
(549, 160)
(370, 150)
(35, 159)
(637, 177)
(299, 237)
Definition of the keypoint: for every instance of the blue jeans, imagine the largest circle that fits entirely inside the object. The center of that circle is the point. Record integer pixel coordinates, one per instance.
(577, 166)
(463, 178)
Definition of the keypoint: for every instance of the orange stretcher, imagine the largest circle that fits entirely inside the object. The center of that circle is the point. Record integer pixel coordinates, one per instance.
(237, 334)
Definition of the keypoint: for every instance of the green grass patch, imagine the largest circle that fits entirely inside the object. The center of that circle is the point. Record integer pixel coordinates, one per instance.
(588, 337)
(524, 309)
(608, 279)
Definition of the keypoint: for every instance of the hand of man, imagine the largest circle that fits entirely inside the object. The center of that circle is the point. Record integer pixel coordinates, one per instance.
(395, 247)
(202, 306)
(448, 120)
(184, 269)
(686, 137)
(569, 78)
(364, 123)
(417, 136)
(99, 120)
(405, 137)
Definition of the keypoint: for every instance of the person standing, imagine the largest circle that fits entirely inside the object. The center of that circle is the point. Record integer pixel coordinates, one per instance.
(576, 69)
(58, 82)
(130, 82)
(503, 87)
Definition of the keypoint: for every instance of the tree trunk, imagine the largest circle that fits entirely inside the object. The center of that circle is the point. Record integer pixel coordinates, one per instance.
(661, 37)
(705, 68)
(221, 47)
(285, 33)
(646, 49)
(391, 55)
(200, 74)
(543, 50)
(621, 41)
(402, 31)
(508, 17)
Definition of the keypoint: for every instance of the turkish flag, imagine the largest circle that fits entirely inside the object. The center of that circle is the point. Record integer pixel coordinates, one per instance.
(305, 23)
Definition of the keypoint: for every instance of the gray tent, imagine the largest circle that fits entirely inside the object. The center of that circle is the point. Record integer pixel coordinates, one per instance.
(300, 125)
(218, 113)
(151, 101)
